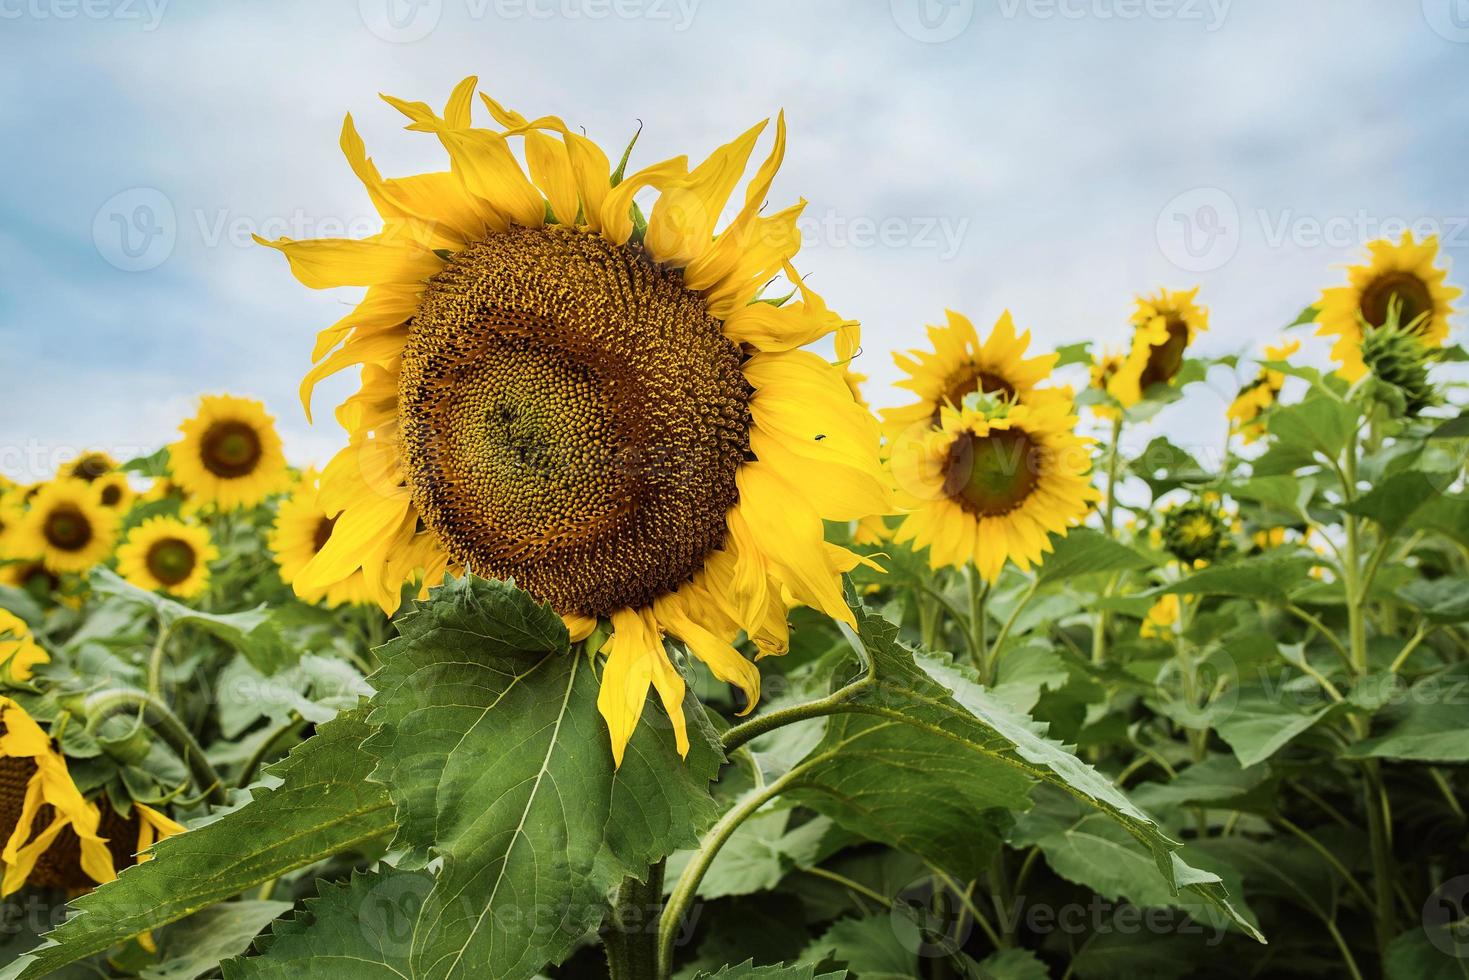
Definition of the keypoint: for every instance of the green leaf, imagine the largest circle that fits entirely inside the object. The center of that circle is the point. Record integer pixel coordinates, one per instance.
(324, 805)
(1287, 494)
(251, 632)
(871, 948)
(1436, 951)
(499, 765)
(361, 928)
(1260, 722)
(1394, 502)
(1219, 781)
(932, 763)
(1318, 423)
(1441, 600)
(1163, 466)
(1084, 551)
(1426, 725)
(1077, 353)
(1013, 964)
(1272, 579)
(757, 856)
(196, 945)
(748, 971)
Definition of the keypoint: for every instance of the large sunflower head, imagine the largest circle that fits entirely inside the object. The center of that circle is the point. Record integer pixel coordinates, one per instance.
(302, 528)
(960, 365)
(1257, 396)
(90, 466)
(66, 527)
(1399, 279)
(992, 483)
(230, 455)
(559, 390)
(164, 554)
(1164, 325)
(19, 651)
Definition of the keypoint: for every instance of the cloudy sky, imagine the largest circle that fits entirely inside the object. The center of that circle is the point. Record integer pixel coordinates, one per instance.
(1050, 156)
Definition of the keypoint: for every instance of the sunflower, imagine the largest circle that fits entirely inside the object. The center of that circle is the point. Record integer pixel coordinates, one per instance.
(1195, 532)
(992, 482)
(1255, 397)
(113, 491)
(12, 513)
(598, 405)
(31, 576)
(1103, 370)
(230, 454)
(1399, 277)
(90, 466)
(302, 528)
(19, 652)
(163, 554)
(1161, 617)
(55, 837)
(66, 527)
(960, 365)
(1163, 327)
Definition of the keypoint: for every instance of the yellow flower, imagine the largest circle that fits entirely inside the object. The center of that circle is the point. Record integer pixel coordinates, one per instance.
(113, 491)
(30, 575)
(19, 652)
(1255, 397)
(89, 466)
(12, 513)
(960, 365)
(66, 527)
(1402, 274)
(1160, 618)
(992, 482)
(230, 454)
(1163, 327)
(33, 775)
(163, 554)
(302, 528)
(555, 390)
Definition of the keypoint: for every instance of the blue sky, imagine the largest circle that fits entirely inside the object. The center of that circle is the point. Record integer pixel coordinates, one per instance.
(1050, 156)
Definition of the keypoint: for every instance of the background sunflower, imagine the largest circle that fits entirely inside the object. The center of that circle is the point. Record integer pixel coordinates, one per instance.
(66, 528)
(230, 455)
(165, 554)
(1164, 325)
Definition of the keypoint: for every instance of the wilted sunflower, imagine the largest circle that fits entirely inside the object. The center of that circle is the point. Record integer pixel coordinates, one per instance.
(90, 466)
(113, 491)
(1402, 275)
(163, 554)
(1260, 393)
(55, 837)
(1163, 327)
(556, 391)
(66, 527)
(230, 454)
(1103, 370)
(302, 528)
(19, 651)
(992, 482)
(960, 365)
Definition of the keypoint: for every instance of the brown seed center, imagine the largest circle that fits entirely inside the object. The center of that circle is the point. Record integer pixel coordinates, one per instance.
(991, 475)
(1411, 291)
(230, 449)
(67, 528)
(171, 560)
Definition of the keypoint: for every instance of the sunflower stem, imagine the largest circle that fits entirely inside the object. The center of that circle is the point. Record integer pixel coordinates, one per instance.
(105, 704)
(631, 941)
(979, 592)
(157, 657)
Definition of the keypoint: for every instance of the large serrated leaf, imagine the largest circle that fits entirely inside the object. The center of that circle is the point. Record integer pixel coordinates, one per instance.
(924, 755)
(324, 805)
(500, 765)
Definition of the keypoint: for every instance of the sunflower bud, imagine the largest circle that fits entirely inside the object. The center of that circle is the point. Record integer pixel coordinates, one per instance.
(1399, 363)
(1194, 532)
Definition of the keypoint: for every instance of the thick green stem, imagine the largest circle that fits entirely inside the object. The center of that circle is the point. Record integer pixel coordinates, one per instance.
(979, 592)
(1109, 504)
(631, 940)
(165, 724)
(156, 659)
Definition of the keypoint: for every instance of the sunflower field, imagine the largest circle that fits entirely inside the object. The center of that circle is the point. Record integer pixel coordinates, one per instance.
(623, 637)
